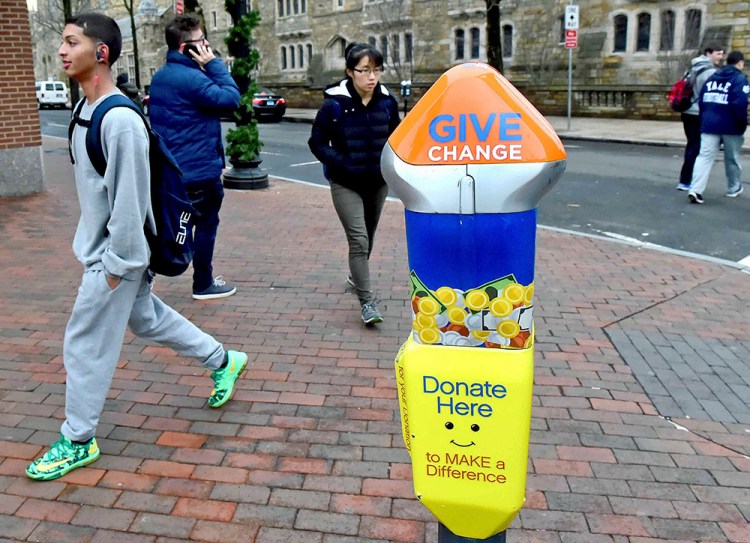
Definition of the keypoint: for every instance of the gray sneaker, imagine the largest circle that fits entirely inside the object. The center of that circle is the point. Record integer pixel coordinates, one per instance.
(218, 289)
(370, 313)
(735, 193)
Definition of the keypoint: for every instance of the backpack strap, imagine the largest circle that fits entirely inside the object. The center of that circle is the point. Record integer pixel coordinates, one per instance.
(74, 120)
(94, 135)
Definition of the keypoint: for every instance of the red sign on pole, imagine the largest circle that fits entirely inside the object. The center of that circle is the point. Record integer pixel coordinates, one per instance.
(179, 6)
(571, 39)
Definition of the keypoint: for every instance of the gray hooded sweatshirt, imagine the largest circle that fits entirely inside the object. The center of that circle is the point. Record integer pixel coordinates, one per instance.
(696, 65)
(115, 207)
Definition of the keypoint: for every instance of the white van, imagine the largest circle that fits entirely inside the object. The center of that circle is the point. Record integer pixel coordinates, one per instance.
(51, 94)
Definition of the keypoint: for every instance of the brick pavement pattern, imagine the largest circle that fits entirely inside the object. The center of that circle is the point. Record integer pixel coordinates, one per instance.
(309, 449)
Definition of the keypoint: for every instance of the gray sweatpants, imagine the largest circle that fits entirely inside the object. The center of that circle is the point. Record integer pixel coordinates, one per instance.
(94, 336)
(359, 216)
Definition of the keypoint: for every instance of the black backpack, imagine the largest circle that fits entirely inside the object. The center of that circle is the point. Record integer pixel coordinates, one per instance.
(172, 245)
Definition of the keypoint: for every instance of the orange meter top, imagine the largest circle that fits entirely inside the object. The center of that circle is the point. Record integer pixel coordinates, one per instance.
(473, 115)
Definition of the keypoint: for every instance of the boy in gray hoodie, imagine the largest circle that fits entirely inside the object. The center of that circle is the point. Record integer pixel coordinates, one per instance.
(701, 68)
(115, 291)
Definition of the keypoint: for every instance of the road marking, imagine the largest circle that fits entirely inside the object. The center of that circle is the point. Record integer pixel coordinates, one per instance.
(271, 154)
(304, 163)
(745, 261)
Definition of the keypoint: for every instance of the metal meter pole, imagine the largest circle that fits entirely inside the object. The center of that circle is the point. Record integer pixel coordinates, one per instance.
(446, 536)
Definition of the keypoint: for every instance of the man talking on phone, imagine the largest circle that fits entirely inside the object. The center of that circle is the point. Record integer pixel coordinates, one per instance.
(189, 95)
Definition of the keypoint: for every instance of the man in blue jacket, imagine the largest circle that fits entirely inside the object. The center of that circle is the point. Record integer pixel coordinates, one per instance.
(723, 112)
(189, 95)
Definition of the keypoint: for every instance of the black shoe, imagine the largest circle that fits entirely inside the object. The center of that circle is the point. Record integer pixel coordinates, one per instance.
(695, 198)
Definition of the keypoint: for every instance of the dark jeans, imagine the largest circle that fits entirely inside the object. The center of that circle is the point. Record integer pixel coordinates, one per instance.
(206, 197)
(692, 126)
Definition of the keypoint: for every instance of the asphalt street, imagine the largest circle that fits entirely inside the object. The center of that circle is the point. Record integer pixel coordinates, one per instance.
(622, 191)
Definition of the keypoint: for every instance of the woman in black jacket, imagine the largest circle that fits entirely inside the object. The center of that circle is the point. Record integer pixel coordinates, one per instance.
(348, 136)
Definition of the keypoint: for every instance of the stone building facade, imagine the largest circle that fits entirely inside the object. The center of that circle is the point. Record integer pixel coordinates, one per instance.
(629, 51)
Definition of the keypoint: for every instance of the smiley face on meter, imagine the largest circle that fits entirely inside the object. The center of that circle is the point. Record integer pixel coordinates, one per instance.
(459, 439)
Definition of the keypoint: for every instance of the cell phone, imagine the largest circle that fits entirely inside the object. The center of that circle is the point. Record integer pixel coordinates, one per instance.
(190, 47)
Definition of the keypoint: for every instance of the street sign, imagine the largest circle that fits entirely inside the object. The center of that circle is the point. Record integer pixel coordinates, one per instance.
(571, 17)
(179, 6)
(571, 39)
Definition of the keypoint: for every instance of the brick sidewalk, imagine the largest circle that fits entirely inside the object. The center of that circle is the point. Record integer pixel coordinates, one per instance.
(310, 449)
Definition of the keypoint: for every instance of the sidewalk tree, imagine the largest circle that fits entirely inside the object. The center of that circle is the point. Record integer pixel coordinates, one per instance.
(243, 141)
(130, 8)
(494, 38)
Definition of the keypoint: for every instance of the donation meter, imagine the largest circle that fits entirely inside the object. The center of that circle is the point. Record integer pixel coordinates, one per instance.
(470, 162)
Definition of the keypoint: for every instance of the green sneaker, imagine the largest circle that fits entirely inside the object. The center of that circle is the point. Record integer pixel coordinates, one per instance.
(63, 456)
(225, 378)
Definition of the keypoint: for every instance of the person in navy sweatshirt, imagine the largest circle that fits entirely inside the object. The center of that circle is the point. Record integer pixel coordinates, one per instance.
(723, 112)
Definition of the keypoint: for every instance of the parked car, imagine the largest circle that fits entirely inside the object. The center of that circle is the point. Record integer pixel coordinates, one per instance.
(51, 94)
(268, 104)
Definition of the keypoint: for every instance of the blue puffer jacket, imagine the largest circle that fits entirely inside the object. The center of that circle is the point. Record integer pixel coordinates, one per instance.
(185, 107)
(724, 102)
(348, 137)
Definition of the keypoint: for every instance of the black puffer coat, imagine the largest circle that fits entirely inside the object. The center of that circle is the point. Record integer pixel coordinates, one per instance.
(348, 137)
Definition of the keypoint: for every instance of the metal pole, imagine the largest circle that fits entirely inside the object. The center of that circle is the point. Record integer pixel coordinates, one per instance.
(570, 74)
(446, 536)
(570, 81)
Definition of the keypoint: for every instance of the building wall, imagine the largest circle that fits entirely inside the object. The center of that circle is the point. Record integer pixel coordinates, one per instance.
(20, 138)
(318, 30)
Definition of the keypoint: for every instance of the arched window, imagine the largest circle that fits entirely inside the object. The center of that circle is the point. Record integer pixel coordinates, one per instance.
(301, 55)
(295, 6)
(459, 39)
(474, 42)
(693, 23)
(283, 58)
(621, 33)
(292, 61)
(309, 53)
(562, 28)
(644, 32)
(408, 47)
(507, 41)
(666, 41)
(396, 48)
(302, 6)
(281, 8)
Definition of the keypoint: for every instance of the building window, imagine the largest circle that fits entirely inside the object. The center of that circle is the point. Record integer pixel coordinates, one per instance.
(621, 33)
(339, 4)
(562, 28)
(292, 58)
(295, 4)
(474, 32)
(408, 47)
(283, 58)
(396, 48)
(507, 41)
(309, 53)
(459, 43)
(281, 8)
(214, 20)
(301, 55)
(644, 32)
(384, 47)
(666, 39)
(693, 23)
(372, 40)
(131, 66)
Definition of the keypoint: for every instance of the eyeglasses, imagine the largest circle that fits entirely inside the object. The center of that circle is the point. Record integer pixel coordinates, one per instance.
(199, 40)
(369, 71)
